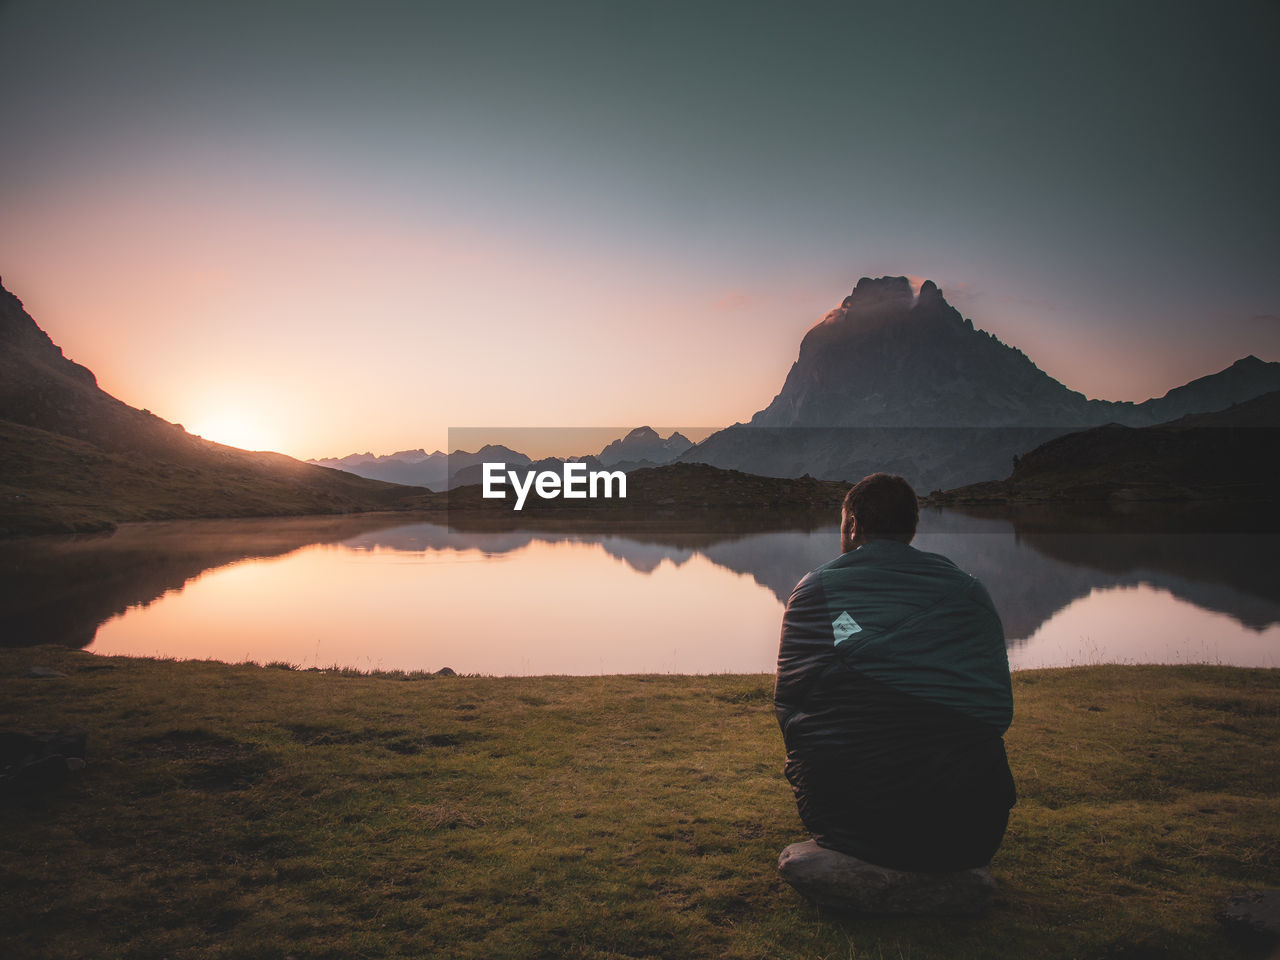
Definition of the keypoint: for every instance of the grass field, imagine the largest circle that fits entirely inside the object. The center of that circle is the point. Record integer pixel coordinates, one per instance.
(245, 811)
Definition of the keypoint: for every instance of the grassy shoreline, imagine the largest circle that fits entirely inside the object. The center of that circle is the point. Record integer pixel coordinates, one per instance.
(242, 811)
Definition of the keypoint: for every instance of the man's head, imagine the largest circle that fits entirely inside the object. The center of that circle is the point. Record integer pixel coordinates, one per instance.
(881, 506)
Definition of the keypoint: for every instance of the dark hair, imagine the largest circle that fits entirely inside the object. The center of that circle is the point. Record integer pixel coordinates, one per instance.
(884, 505)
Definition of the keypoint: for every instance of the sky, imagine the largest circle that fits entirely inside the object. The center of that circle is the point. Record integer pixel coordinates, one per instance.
(323, 227)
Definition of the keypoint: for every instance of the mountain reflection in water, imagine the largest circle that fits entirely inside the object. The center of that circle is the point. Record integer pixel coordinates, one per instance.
(375, 592)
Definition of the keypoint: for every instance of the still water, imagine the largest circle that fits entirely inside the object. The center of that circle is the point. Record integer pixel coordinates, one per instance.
(377, 594)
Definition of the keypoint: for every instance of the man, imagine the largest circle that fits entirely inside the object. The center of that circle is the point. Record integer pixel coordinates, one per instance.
(893, 696)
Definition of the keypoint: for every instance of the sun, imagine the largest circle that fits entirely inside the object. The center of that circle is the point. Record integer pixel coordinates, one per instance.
(236, 430)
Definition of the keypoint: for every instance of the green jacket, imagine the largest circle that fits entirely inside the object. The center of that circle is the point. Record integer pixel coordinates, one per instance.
(893, 695)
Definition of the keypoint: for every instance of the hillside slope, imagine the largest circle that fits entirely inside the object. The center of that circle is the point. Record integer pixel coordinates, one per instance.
(1231, 455)
(74, 458)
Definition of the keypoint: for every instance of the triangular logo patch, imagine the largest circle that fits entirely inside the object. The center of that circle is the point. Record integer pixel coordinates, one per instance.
(845, 627)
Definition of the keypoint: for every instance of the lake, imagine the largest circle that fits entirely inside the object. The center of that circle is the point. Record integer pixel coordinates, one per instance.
(377, 593)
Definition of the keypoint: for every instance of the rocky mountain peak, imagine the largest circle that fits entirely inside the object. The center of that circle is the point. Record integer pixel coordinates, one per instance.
(883, 293)
(883, 303)
(890, 357)
(930, 294)
(893, 381)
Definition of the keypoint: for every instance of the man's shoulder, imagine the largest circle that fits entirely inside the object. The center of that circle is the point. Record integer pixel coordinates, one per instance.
(808, 586)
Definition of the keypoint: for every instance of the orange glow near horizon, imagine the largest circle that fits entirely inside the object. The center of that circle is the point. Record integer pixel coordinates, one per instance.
(340, 325)
(236, 430)
(341, 330)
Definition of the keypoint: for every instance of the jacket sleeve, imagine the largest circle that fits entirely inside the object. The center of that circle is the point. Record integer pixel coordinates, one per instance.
(806, 648)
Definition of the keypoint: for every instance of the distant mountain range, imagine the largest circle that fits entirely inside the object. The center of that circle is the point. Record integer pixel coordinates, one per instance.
(73, 457)
(890, 380)
(642, 447)
(421, 469)
(895, 381)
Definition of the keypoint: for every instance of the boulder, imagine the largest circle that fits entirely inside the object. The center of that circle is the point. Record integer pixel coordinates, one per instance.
(1253, 918)
(40, 760)
(42, 673)
(840, 882)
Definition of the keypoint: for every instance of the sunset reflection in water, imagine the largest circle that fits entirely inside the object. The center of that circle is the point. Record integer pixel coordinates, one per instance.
(420, 597)
(545, 608)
